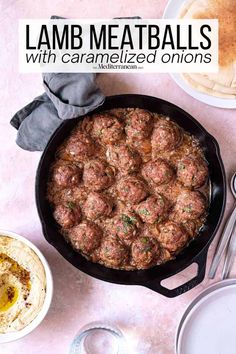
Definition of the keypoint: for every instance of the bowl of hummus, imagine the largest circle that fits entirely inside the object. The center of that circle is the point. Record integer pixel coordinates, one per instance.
(26, 286)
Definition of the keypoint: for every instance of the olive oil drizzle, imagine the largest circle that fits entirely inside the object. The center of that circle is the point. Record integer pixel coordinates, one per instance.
(8, 292)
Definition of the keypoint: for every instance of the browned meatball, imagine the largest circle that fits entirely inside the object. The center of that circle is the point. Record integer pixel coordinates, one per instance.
(172, 236)
(139, 124)
(107, 128)
(132, 190)
(192, 172)
(166, 136)
(170, 191)
(125, 226)
(85, 237)
(97, 175)
(151, 209)
(80, 146)
(67, 215)
(123, 158)
(145, 251)
(97, 205)
(190, 205)
(113, 252)
(66, 175)
(159, 172)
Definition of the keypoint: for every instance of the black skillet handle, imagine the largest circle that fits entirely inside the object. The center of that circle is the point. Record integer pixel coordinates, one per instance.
(201, 262)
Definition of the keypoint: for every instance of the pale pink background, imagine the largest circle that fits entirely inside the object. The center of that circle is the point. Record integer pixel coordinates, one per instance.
(148, 319)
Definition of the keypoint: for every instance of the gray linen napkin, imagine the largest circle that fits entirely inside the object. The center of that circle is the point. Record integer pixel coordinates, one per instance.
(66, 96)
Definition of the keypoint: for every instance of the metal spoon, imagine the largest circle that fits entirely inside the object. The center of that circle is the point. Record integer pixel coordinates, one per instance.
(229, 226)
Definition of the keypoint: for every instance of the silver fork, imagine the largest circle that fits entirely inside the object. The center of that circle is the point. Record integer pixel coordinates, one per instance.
(229, 258)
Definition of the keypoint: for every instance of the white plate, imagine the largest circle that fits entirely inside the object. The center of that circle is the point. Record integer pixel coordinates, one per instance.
(208, 325)
(171, 11)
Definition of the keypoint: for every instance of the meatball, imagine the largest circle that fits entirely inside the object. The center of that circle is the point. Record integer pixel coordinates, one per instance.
(123, 158)
(80, 146)
(67, 215)
(170, 191)
(97, 205)
(113, 252)
(139, 124)
(172, 236)
(66, 175)
(145, 251)
(158, 172)
(132, 190)
(107, 128)
(151, 209)
(166, 136)
(192, 172)
(85, 237)
(125, 226)
(97, 175)
(190, 205)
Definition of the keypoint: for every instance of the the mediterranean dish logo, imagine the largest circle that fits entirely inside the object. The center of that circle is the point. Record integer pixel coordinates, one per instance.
(119, 45)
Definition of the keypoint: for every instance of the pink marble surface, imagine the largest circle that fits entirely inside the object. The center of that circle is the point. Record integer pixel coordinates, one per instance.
(148, 319)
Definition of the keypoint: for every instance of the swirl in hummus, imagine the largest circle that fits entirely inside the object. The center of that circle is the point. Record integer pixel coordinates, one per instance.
(22, 285)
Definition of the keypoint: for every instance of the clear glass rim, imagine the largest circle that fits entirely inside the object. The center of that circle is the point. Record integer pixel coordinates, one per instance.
(77, 344)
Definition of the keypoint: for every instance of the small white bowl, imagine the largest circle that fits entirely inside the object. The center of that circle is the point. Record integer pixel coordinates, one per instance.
(11, 336)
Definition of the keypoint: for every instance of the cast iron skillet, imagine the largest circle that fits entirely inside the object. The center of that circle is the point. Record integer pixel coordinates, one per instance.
(196, 252)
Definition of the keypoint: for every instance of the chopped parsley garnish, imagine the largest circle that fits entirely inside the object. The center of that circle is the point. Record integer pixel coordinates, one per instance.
(147, 246)
(187, 209)
(99, 132)
(181, 166)
(144, 211)
(70, 205)
(128, 222)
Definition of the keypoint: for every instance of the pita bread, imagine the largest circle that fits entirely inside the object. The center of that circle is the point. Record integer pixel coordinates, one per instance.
(204, 81)
(205, 89)
(223, 83)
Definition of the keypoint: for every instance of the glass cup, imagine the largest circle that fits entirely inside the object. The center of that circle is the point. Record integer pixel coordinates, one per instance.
(99, 338)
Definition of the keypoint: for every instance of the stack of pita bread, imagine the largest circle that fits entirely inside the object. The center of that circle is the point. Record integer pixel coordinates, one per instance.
(223, 83)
